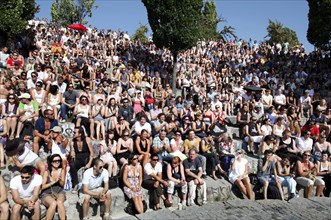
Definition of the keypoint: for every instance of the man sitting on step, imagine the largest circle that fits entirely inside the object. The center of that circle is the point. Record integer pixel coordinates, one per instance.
(193, 172)
(95, 187)
(25, 190)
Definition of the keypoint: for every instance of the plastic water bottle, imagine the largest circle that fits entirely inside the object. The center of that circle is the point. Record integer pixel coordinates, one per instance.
(56, 216)
(68, 184)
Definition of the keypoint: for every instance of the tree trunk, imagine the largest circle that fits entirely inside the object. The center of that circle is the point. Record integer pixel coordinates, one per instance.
(174, 74)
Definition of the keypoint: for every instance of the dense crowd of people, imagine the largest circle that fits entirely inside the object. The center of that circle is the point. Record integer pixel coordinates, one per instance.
(132, 129)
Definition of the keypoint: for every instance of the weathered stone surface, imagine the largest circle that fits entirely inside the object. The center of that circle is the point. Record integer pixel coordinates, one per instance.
(316, 208)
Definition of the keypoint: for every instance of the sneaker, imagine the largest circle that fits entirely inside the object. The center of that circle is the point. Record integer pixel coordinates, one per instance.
(191, 202)
(106, 216)
(204, 202)
(62, 121)
(291, 196)
(74, 190)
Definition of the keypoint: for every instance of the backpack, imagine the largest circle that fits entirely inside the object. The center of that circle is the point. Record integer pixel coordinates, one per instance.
(273, 192)
(131, 209)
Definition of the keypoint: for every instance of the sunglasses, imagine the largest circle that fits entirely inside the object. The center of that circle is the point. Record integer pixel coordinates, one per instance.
(25, 177)
(135, 158)
(11, 98)
(126, 135)
(84, 99)
(323, 137)
(307, 155)
(100, 168)
(125, 102)
(155, 159)
(56, 161)
(33, 76)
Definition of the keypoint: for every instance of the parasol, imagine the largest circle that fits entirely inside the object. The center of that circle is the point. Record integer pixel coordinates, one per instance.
(78, 27)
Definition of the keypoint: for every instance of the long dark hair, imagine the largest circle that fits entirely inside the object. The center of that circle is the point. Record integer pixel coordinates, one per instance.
(50, 159)
(130, 158)
(82, 132)
(107, 137)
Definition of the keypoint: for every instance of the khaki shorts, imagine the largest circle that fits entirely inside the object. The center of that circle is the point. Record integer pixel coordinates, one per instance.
(12, 203)
(82, 196)
(305, 182)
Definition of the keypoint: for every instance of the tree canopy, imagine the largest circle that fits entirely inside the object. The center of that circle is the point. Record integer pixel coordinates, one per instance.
(319, 27)
(178, 25)
(67, 12)
(209, 20)
(140, 34)
(175, 24)
(15, 15)
(277, 33)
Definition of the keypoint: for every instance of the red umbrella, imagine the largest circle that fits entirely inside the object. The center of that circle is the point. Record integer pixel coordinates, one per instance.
(78, 27)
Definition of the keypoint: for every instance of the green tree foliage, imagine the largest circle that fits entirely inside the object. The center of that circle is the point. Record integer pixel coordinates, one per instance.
(178, 25)
(227, 32)
(319, 27)
(67, 12)
(63, 12)
(209, 20)
(15, 15)
(140, 34)
(175, 24)
(279, 34)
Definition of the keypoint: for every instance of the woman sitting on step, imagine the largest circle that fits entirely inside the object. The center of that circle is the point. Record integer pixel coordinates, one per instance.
(238, 174)
(53, 194)
(132, 179)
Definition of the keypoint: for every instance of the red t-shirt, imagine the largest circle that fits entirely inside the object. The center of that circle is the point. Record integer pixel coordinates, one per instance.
(314, 130)
(11, 62)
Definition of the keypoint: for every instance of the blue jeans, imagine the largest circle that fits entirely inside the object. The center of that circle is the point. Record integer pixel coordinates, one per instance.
(288, 182)
(64, 111)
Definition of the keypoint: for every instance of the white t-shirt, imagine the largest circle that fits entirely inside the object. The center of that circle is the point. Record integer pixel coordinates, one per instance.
(25, 190)
(62, 88)
(266, 129)
(3, 58)
(138, 128)
(304, 144)
(280, 99)
(305, 100)
(92, 181)
(31, 84)
(149, 170)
